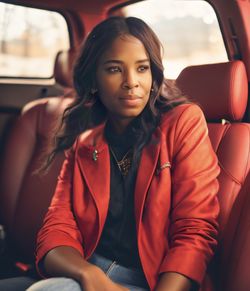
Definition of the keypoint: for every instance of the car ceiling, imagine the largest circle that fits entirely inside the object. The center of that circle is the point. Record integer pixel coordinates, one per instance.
(86, 6)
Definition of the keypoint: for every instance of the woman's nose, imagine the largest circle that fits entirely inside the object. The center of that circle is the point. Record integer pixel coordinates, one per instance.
(130, 81)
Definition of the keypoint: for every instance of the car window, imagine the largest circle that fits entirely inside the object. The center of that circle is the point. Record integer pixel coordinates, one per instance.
(29, 41)
(188, 30)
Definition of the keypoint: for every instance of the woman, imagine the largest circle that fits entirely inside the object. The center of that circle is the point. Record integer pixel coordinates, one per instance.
(135, 206)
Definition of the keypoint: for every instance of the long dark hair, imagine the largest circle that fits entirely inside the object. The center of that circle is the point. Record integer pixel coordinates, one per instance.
(87, 110)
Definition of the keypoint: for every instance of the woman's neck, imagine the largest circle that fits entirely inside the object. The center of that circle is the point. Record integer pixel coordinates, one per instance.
(120, 125)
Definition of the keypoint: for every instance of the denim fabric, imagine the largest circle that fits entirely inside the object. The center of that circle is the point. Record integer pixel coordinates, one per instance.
(56, 284)
(16, 284)
(119, 274)
(133, 279)
(66, 284)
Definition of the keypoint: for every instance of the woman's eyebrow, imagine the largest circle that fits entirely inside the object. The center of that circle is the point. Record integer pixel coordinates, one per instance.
(121, 62)
(143, 61)
(112, 61)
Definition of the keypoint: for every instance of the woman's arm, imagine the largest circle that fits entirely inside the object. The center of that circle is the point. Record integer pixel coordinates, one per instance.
(60, 249)
(59, 226)
(67, 262)
(173, 282)
(193, 226)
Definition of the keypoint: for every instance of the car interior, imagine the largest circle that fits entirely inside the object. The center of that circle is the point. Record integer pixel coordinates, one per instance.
(32, 101)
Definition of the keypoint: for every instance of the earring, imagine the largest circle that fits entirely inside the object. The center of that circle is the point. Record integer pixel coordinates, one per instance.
(152, 90)
(93, 91)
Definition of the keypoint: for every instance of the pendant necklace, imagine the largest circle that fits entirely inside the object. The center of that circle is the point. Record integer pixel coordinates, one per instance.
(125, 163)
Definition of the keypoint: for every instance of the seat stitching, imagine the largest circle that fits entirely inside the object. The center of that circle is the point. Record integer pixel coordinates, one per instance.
(246, 170)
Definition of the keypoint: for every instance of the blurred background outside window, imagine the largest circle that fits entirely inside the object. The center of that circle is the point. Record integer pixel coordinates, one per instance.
(188, 30)
(29, 41)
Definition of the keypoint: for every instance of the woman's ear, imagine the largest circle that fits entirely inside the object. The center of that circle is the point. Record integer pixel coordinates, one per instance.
(93, 89)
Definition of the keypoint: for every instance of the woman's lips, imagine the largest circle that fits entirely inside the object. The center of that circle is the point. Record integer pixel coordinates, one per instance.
(131, 100)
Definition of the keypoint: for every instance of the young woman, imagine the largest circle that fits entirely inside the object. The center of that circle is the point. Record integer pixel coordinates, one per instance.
(135, 206)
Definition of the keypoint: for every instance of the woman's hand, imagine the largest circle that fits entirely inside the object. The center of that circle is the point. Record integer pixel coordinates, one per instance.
(67, 262)
(94, 279)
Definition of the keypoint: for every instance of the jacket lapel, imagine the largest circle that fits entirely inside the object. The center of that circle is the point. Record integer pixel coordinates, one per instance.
(94, 162)
(147, 167)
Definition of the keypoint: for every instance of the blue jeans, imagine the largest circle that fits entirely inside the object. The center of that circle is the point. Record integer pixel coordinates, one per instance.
(16, 283)
(133, 279)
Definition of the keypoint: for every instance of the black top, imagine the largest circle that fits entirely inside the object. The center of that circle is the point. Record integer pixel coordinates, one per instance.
(119, 240)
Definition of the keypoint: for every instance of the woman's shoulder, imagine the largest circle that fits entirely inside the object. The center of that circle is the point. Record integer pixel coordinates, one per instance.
(91, 137)
(181, 113)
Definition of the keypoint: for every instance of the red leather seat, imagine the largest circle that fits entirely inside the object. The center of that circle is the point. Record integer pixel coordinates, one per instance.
(236, 269)
(221, 90)
(24, 196)
(63, 68)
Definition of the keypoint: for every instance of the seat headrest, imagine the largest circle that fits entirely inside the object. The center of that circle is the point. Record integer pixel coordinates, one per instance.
(220, 89)
(63, 67)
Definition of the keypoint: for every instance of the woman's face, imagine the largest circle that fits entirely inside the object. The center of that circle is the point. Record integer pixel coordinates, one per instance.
(124, 79)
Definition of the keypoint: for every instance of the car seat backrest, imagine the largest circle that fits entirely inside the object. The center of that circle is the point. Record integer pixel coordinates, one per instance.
(63, 67)
(236, 263)
(222, 90)
(25, 196)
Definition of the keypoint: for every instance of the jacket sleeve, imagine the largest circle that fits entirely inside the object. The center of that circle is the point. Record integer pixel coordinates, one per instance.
(193, 219)
(59, 226)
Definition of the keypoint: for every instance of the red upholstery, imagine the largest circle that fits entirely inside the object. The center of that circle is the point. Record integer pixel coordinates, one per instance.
(24, 196)
(221, 90)
(63, 67)
(236, 270)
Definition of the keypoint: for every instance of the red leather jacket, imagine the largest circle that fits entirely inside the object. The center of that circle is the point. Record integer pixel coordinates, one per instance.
(176, 207)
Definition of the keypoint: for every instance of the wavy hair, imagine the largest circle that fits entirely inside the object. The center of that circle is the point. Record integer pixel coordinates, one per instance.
(87, 110)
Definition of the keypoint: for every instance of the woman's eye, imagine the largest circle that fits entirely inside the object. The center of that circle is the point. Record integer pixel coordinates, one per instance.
(143, 68)
(114, 69)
